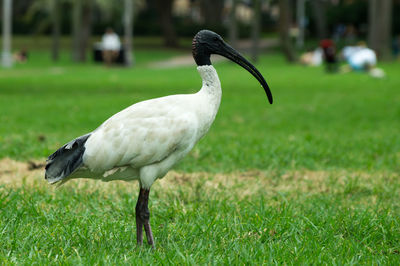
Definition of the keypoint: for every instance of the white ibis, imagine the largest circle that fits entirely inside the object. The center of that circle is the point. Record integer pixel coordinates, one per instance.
(144, 141)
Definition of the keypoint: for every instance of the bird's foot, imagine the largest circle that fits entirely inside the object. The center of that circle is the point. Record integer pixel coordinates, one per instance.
(149, 234)
(143, 218)
(139, 232)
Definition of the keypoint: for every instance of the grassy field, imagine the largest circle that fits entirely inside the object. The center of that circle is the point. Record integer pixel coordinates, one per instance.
(313, 178)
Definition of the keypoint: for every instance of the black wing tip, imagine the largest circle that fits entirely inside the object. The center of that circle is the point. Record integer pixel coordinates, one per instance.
(65, 160)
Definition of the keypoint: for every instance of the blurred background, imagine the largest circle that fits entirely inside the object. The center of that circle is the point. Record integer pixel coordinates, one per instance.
(332, 67)
(292, 26)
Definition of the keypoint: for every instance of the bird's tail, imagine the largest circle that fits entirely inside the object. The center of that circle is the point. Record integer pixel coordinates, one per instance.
(65, 160)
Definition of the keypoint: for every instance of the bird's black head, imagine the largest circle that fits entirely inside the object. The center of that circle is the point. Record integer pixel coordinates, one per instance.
(206, 43)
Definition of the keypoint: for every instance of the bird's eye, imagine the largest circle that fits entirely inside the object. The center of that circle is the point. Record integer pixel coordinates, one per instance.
(216, 38)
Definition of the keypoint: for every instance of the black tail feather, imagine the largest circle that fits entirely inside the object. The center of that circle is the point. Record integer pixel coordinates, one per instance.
(66, 159)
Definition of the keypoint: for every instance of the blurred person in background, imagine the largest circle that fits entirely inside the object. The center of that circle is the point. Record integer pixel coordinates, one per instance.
(329, 50)
(111, 46)
(312, 58)
(21, 56)
(349, 50)
(361, 59)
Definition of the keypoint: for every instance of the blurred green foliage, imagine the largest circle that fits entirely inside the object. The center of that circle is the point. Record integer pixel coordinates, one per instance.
(34, 17)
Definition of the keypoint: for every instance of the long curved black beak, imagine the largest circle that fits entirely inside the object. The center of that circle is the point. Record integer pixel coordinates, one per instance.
(227, 51)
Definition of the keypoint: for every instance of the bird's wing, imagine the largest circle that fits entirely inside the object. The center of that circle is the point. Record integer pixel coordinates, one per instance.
(142, 134)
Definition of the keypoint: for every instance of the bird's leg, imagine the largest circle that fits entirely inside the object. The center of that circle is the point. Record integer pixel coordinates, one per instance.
(139, 227)
(143, 218)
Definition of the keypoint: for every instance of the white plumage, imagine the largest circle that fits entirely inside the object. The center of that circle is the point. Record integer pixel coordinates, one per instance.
(146, 139)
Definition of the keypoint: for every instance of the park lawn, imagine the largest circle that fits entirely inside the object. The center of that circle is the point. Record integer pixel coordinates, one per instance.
(312, 178)
(317, 121)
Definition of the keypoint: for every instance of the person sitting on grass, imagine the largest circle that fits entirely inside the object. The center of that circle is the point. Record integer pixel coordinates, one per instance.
(361, 59)
(312, 58)
(111, 46)
(21, 56)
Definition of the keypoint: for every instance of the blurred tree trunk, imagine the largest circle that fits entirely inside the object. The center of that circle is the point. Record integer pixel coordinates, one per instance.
(128, 29)
(167, 26)
(76, 28)
(81, 30)
(6, 58)
(86, 29)
(211, 10)
(319, 10)
(284, 27)
(233, 32)
(56, 30)
(301, 22)
(380, 22)
(256, 28)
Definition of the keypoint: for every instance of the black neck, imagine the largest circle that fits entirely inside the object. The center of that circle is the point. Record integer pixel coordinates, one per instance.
(201, 55)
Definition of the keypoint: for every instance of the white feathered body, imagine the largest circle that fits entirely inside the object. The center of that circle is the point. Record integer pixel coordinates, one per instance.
(146, 139)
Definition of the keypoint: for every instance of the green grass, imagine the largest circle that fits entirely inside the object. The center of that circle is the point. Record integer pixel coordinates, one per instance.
(318, 121)
(312, 178)
(293, 220)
